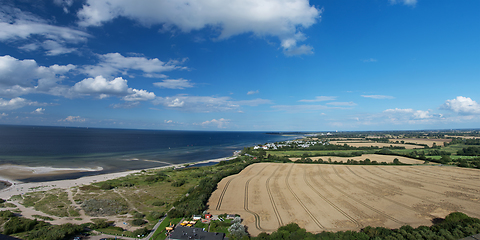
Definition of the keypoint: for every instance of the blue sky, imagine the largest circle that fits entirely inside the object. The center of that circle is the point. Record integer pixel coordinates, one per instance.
(248, 65)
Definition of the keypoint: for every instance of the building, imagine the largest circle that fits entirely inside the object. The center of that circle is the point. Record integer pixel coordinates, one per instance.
(189, 233)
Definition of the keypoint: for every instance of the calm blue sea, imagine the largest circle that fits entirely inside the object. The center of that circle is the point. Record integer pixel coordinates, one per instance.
(119, 149)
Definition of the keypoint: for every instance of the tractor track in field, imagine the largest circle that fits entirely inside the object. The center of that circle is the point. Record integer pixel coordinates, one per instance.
(224, 190)
(362, 202)
(300, 202)
(390, 200)
(359, 226)
(245, 203)
(269, 191)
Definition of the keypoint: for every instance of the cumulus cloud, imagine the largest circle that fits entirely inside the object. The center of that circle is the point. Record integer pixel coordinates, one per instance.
(103, 88)
(114, 63)
(19, 77)
(39, 111)
(139, 95)
(220, 123)
(17, 102)
(319, 99)
(405, 2)
(282, 18)
(462, 105)
(64, 3)
(252, 92)
(73, 119)
(378, 96)
(19, 25)
(3, 115)
(174, 83)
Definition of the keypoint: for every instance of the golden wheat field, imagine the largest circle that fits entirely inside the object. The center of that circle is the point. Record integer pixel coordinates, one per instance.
(321, 197)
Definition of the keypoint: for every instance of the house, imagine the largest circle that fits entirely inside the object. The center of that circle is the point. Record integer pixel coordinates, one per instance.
(186, 233)
(196, 217)
(208, 216)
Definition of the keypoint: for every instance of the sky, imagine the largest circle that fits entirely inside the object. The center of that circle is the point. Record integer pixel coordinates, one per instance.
(241, 65)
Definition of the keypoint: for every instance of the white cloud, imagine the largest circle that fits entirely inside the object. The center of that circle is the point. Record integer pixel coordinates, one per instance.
(101, 86)
(253, 102)
(301, 50)
(378, 96)
(174, 83)
(462, 105)
(39, 111)
(114, 64)
(319, 99)
(64, 3)
(410, 116)
(3, 115)
(349, 104)
(300, 108)
(125, 105)
(139, 95)
(405, 2)
(252, 92)
(18, 25)
(73, 119)
(15, 103)
(197, 103)
(281, 18)
(220, 123)
(19, 77)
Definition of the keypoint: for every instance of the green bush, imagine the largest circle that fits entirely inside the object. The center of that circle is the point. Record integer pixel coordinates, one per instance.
(138, 222)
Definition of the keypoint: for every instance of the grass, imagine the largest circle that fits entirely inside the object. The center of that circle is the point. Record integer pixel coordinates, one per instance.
(160, 232)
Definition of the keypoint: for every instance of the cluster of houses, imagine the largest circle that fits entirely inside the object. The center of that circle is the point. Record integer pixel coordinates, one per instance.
(292, 143)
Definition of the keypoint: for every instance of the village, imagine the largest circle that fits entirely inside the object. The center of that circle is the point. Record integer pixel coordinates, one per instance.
(304, 143)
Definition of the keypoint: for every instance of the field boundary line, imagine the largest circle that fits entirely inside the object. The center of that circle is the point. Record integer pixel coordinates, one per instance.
(300, 202)
(361, 202)
(359, 226)
(275, 210)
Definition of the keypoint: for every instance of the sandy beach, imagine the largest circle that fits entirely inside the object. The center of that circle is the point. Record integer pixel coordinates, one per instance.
(10, 172)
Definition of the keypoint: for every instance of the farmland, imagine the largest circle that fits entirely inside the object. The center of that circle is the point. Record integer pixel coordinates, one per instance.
(342, 197)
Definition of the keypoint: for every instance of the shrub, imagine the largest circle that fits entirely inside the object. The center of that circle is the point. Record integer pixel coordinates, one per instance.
(138, 222)
(138, 215)
(103, 207)
(158, 203)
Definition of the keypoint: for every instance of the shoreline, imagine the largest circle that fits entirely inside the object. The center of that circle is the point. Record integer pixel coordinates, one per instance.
(18, 187)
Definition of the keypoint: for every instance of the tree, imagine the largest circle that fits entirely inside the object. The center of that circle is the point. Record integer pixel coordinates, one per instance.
(237, 231)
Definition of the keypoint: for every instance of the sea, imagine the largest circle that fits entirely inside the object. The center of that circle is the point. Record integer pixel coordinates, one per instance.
(116, 150)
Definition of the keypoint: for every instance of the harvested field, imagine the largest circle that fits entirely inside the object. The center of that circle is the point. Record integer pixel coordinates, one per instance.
(373, 157)
(321, 197)
(375, 144)
(429, 142)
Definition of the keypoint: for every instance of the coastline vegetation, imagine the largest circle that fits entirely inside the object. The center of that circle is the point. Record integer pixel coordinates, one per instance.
(146, 196)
